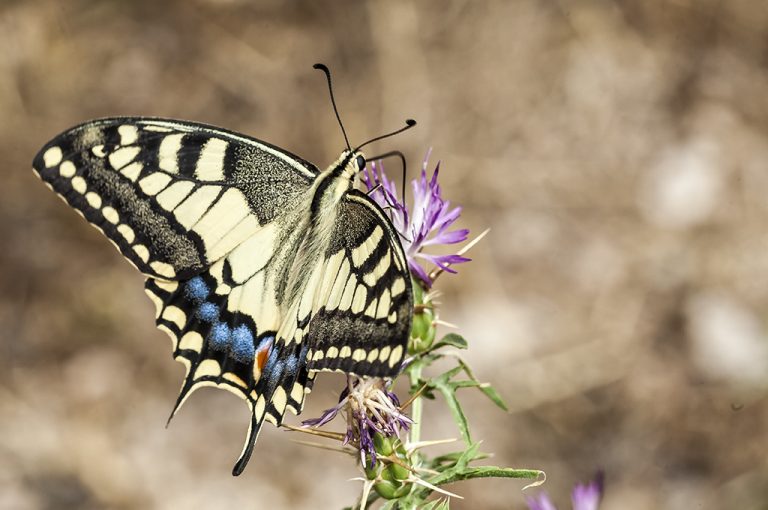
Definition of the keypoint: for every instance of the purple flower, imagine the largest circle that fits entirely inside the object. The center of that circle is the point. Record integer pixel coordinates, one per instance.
(584, 496)
(540, 502)
(587, 496)
(425, 224)
(369, 408)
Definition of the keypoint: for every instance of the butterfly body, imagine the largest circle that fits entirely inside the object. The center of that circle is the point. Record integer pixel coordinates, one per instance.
(263, 269)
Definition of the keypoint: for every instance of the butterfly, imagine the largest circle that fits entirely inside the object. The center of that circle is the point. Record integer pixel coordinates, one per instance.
(264, 269)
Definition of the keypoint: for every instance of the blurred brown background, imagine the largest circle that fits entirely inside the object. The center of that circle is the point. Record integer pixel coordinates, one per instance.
(617, 149)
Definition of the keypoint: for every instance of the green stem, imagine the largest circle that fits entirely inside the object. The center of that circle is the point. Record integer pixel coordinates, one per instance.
(416, 406)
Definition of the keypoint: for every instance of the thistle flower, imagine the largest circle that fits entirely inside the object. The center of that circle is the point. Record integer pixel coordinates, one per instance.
(369, 409)
(583, 497)
(425, 224)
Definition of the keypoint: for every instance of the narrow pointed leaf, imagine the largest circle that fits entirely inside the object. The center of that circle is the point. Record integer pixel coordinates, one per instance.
(449, 393)
(492, 394)
(453, 340)
(453, 457)
(490, 472)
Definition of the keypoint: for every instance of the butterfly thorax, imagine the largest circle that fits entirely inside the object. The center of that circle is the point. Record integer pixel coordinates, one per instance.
(309, 235)
(331, 185)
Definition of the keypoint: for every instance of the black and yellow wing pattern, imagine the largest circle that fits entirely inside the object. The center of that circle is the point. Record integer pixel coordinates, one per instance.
(257, 287)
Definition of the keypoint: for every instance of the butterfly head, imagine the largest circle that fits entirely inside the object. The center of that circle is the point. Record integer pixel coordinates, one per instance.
(349, 164)
(360, 162)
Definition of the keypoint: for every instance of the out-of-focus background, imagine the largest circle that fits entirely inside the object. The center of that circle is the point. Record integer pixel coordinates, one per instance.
(617, 149)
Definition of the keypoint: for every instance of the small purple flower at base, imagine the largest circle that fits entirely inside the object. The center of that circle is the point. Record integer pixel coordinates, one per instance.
(425, 224)
(369, 408)
(587, 496)
(328, 414)
(540, 502)
(584, 496)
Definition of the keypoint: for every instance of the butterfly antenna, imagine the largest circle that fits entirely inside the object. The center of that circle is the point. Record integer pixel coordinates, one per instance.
(402, 160)
(409, 123)
(327, 72)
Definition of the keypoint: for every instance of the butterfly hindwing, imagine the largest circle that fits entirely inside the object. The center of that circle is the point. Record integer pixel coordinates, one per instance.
(172, 196)
(363, 304)
(228, 350)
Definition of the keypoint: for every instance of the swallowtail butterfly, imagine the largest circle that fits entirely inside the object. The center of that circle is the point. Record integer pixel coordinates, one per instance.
(263, 269)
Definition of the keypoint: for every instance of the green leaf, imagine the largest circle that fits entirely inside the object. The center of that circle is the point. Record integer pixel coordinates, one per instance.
(448, 457)
(428, 394)
(462, 471)
(437, 504)
(422, 361)
(452, 340)
(464, 366)
(461, 463)
(469, 473)
(486, 388)
(492, 394)
(466, 457)
(451, 458)
(466, 384)
(447, 376)
(449, 394)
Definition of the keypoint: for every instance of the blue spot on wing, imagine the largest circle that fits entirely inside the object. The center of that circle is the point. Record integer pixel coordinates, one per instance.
(220, 336)
(276, 372)
(208, 312)
(197, 289)
(291, 364)
(243, 349)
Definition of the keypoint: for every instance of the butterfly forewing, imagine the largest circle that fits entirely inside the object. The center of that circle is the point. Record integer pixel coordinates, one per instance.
(173, 196)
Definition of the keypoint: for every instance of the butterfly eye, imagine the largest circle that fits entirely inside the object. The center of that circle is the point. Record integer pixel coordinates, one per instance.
(360, 161)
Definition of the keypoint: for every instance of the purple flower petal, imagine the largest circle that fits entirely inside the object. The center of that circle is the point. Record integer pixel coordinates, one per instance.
(327, 416)
(587, 496)
(443, 261)
(540, 502)
(426, 223)
(453, 259)
(418, 270)
(456, 236)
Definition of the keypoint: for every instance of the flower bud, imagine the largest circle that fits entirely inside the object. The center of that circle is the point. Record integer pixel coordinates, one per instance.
(371, 470)
(391, 490)
(383, 444)
(398, 472)
(423, 330)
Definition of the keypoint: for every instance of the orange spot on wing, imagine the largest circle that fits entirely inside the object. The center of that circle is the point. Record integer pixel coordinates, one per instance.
(261, 357)
(263, 353)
